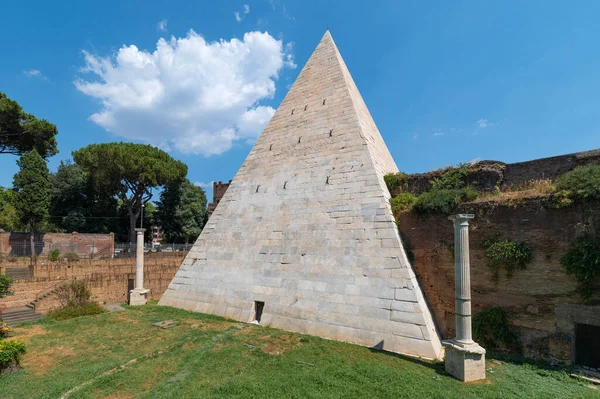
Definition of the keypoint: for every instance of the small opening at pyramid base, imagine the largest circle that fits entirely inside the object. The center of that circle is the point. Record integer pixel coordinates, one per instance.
(306, 106)
(324, 101)
(258, 310)
(292, 112)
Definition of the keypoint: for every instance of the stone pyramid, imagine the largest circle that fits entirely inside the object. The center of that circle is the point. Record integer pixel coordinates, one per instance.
(304, 238)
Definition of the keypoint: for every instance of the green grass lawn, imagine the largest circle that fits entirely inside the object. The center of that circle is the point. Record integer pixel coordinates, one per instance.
(207, 356)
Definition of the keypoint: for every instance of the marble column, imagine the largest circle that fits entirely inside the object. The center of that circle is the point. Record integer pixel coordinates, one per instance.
(139, 295)
(465, 359)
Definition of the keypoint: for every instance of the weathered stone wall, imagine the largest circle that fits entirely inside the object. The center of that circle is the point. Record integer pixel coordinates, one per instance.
(492, 175)
(107, 279)
(540, 300)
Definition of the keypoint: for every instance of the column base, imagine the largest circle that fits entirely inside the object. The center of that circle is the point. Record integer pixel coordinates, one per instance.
(138, 296)
(464, 362)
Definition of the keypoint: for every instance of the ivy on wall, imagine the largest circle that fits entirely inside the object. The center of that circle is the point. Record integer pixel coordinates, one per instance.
(509, 255)
(583, 262)
(490, 329)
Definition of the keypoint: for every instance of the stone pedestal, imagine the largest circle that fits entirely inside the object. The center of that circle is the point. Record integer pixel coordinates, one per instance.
(465, 362)
(139, 295)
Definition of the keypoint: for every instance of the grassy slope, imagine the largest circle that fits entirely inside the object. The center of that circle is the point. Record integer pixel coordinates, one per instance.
(206, 356)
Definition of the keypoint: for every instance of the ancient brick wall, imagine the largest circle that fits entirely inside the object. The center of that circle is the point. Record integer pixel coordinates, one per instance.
(541, 300)
(107, 279)
(219, 190)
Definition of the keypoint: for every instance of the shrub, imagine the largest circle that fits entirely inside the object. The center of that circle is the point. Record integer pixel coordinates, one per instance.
(583, 262)
(5, 282)
(452, 179)
(72, 311)
(402, 202)
(10, 353)
(443, 200)
(508, 254)
(54, 255)
(583, 182)
(394, 180)
(490, 329)
(74, 293)
(4, 329)
(72, 256)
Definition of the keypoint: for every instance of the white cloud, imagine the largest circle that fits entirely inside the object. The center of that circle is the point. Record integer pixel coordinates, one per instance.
(438, 134)
(204, 185)
(238, 16)
(162, 25)
(189, 94)
(34, 73)
(483, 123)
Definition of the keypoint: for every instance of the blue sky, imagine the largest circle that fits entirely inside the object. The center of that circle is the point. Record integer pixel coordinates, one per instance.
(446, 82)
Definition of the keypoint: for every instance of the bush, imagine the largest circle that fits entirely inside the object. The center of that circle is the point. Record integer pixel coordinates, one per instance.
(452, 179)
(4, 329)
(74, 293)
(583, 262)
(402, 202)
(10, 353)
(508, 254)
(583, 182)
(394, 180)
(72, 311)
(5, 282)
(490, 329)
(72, 256)
(443, 200)
(54, 255)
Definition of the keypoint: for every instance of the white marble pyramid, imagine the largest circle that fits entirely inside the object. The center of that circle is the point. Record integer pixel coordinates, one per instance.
(304, 238)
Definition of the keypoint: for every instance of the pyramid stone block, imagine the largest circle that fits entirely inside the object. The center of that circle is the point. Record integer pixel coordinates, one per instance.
(306, 228)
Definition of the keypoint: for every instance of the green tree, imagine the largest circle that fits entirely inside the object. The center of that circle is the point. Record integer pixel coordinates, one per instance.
(68, 207)
(33, 192)
(129, 172)
(21, 132)
(181, 212)
(80, 205)
(9, 220)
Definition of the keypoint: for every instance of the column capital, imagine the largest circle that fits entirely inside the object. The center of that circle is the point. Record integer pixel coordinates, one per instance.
(461, 217)
(140, 231)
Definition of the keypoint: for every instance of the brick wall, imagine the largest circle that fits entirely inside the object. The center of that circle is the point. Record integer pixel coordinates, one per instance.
(107, 279)
(219, 190)
(540, 300)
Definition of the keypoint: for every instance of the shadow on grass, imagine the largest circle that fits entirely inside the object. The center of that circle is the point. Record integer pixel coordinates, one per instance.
(436, 365)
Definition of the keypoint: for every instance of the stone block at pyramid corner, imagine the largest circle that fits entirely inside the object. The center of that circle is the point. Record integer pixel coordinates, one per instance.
(304, 238)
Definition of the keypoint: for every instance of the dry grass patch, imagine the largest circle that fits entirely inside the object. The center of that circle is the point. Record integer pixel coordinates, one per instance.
(276, 345)
(514, 196)
(26, 333)
(40, 362)
(207, 325)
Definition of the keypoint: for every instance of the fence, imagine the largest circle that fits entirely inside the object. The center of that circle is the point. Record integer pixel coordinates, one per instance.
(91, 250)
(43, 249)
(128, 250)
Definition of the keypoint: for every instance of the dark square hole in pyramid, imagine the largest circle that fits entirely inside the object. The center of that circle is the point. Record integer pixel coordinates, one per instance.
(258, 309)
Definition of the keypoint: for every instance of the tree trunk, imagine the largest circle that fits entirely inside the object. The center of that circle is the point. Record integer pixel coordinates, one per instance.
(133, 217)
(32, 243)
